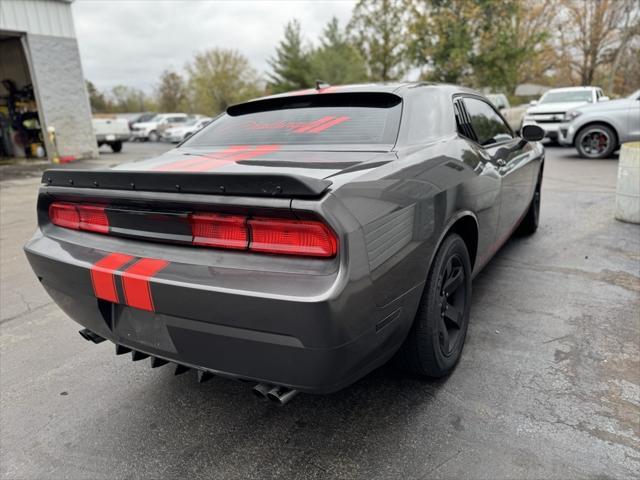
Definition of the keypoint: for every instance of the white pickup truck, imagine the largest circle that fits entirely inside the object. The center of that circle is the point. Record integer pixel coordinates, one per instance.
(111, 131)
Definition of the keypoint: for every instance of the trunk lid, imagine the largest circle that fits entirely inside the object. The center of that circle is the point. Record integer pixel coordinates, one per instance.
(261, 160)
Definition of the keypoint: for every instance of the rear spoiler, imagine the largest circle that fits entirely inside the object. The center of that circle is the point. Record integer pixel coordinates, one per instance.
(246, 184)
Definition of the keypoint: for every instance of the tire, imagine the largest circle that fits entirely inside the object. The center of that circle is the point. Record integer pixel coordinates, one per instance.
(153, 136)
(434, 344)
(529, 223)
(596, 141)
(116, 147)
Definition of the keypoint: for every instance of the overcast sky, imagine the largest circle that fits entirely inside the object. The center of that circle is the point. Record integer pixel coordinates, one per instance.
(132, 41)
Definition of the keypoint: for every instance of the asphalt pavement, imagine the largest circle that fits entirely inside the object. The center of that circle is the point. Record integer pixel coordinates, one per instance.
(548, 385)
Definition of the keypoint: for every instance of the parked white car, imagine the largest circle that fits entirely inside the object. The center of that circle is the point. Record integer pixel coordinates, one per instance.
(153, 129)
(111, 131)
(178, 134)
(549, 112)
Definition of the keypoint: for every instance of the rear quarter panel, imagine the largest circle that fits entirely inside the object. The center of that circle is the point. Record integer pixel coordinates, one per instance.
(400, 212)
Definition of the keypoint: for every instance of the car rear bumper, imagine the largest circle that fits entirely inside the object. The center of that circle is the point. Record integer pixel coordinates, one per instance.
(114, 137)
(316, 344)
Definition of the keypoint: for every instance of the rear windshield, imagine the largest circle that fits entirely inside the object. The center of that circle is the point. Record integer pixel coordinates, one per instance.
(357, 119)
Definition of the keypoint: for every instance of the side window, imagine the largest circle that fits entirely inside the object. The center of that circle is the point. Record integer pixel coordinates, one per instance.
(488, 126)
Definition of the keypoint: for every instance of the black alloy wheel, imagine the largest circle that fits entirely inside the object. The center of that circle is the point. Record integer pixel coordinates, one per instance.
(434, 343)
(452, 298)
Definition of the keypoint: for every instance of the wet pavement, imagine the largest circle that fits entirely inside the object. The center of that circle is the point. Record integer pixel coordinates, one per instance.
(548, 385)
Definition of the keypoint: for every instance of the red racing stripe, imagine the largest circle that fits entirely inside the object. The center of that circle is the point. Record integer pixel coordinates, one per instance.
(135, 282)
(313, 124)
(194, 161)
(217, 163)
(329, 124)
(102, 276)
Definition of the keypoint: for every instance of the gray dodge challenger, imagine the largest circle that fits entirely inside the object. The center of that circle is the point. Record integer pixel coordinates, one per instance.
(298, 241)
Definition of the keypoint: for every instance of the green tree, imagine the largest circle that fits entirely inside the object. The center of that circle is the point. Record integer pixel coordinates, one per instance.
(441, 37)
(219, 78)
(378, 29)
(480, 43)
(171, 93)
(98, 101)
(507, 41)
(291, 65)
(337, 60)
(128, 99)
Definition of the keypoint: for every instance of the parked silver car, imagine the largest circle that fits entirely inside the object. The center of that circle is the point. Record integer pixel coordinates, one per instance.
(598, 130)
(549, 112)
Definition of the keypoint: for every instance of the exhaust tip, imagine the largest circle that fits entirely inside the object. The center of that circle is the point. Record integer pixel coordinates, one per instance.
(281, 395)
(261, 390)
(90, 336)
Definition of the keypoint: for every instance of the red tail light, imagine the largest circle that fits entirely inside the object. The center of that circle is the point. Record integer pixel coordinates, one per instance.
(93, 219)
(79, 217)
(292, 237)
(283, 236)
(64, 215)
(217, 230)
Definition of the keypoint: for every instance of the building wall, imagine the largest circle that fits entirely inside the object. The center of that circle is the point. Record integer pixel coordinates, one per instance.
(40, 17)
(62, 94)
(48, 36)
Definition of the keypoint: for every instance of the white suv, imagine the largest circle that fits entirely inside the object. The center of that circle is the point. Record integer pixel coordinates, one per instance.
(549, 112)
(152, 130)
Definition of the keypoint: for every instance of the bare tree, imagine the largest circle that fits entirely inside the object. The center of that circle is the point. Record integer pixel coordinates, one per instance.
(218, 78)
(594, 30)
(171, 93)
(629, 32)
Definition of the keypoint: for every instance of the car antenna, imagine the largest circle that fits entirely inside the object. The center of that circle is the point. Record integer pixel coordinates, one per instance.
(320, 84)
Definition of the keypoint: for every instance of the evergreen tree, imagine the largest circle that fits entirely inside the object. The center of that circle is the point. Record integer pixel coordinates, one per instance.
(337, 61)
(291, 65)
(378, 28)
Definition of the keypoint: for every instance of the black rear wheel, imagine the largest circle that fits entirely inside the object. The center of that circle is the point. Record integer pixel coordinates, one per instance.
(434, 344)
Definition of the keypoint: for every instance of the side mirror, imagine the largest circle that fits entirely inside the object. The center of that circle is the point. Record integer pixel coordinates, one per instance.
(532, 133)
(533, 102)
(604, 99)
